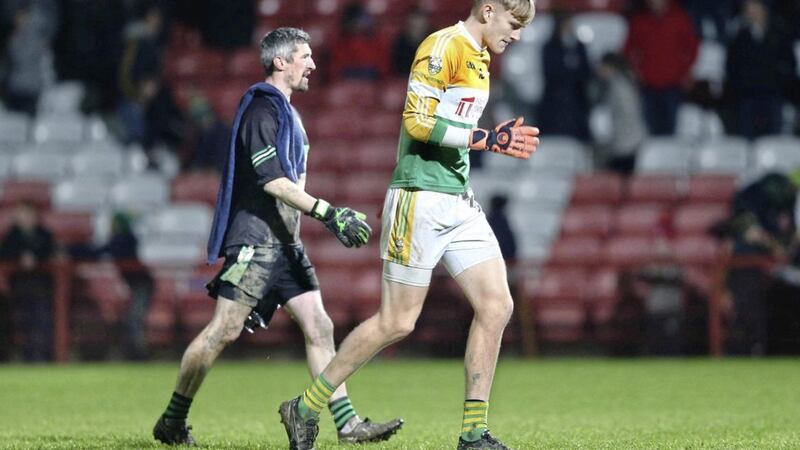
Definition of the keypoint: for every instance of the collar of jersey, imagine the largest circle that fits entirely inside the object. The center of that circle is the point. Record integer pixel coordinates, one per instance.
(475, 44)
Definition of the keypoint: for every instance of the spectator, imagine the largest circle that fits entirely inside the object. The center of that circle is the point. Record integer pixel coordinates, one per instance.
(628, 130)
(718, 12)
(209, 138)
(762, 224)
(661, 47)
(29, 61)
(498, 220)
(122, 248)
(417, 27)
(760, 66)
(30, 245)
(145, 40)
(564, 108)
(360, 52)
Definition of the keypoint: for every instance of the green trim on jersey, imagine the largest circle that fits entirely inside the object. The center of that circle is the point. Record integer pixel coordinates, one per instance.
(429, 166)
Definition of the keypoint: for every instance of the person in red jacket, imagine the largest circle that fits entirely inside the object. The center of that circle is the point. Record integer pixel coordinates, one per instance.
(661, 47)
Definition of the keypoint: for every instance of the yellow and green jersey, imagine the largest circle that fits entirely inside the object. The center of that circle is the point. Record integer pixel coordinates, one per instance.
(447, 91)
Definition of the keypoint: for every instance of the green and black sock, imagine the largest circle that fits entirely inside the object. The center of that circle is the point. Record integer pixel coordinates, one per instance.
(315, 397)
(342, 411)
(178, 407)
(476, 419)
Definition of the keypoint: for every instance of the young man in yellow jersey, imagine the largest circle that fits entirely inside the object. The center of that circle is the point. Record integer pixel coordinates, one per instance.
(430, 215)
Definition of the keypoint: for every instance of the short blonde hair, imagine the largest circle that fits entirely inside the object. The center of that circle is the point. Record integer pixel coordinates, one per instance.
(522, 10)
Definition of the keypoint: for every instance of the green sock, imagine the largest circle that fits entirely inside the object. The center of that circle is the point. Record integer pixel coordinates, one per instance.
(341, 410)
(476, 419)
(315, 398)
(178, 407)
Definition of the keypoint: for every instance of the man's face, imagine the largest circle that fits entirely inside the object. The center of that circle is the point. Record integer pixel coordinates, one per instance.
(300, 67)
(502, 30)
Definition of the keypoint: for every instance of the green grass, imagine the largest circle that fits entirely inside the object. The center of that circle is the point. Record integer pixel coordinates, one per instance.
(561, 404)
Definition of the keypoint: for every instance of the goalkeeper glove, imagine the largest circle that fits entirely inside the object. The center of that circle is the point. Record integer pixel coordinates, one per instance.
(349, 226)
(509, 138)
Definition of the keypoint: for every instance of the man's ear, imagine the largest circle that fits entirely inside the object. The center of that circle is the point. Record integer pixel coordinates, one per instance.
(487, 11)
(279, 63)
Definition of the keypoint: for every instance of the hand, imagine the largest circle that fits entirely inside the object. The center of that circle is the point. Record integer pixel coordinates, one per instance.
(349, 226)
(509, 138)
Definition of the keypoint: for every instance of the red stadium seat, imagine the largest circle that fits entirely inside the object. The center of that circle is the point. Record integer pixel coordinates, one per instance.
(698, 217)
(629, 251)
(330, 156)
(15, 191)
(393, 95)
(337, 124)
(366, 187)
(599, 187)
(245, 63)
(696, 249)
(283, 9)
(711, 188)
(200, 64)
(349, 93)
(326, 253)
(195, 187)
(576, 251)
(375, 154)
(590, 219)
(557, 283)
(645, 219)
(383, 124)
(325, 185)
(654, 188)
(69, 227)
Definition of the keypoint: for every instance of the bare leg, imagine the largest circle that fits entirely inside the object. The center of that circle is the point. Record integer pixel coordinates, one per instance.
(224, 328)
(308, 311)
(486, 289)
(400, 308)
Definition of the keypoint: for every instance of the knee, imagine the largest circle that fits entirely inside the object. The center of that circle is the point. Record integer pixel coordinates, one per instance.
(396, 328)
(496, 311)
(319, 331)
(222, 335)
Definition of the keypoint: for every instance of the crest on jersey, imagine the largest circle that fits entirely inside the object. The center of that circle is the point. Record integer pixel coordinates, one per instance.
(434, 65)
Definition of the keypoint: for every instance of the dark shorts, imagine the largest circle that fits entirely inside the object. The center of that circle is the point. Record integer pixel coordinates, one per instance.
(271, 277)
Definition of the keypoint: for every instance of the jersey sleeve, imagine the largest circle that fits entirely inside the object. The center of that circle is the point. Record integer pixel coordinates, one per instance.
(432, 71)
(258, 135)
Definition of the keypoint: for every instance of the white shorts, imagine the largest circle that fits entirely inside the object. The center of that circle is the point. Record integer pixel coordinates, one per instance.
(418, 228)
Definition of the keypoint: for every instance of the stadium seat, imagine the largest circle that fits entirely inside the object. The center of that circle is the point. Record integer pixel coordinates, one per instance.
(556, 299)
(349, 93)
(62, 98)
(597, 187)
(667, 156)
(695, 123)
(365, 187)
(198, 64)
(13, 127)
(33, 191)
(245, 63)
(590, 219)
(44, 166)
(336, 124)
(5, 165)
(711, 188)
(640, 218)
(574, 251)
(777, 153)
(80, 194)
(555, 154)
(656, 189)
(189, 222)
(539, 228)
(393, 95)
(382, 124)
(725, 155)
(329, 252)
(522, 70)
(283, 9)
(60, 128)
(69, 228)
(542, 188)
(325, 185)
(195, 187)
(697, 218)
(695, 249)
(710, 62)
(486, 184)
(600, 32)
(140, 192)
(379, 154)
(628, 251)
(159, 252)
(106, 162)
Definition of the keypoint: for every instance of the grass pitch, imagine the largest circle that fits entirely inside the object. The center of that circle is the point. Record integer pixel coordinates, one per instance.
(537, 404)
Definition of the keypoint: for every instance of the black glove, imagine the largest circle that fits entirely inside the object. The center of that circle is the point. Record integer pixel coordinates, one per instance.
(349, 226)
